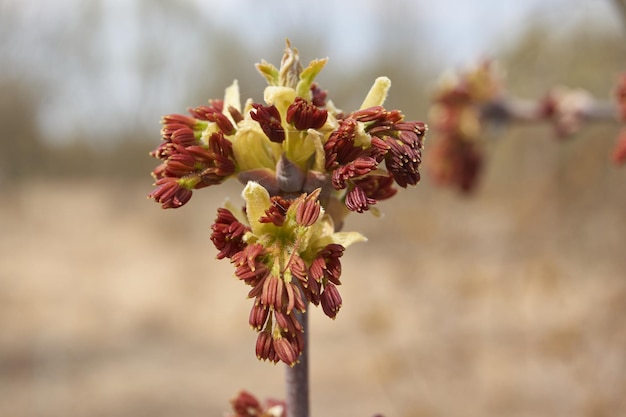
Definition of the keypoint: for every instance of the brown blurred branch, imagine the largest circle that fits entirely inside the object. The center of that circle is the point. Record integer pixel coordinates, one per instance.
(456, 158)
(568, 112)
(507, 110)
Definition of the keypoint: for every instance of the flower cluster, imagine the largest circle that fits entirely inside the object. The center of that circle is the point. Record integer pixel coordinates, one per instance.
(288, 253)
(466, 103)
(566, 108)
(296, 141)
(247, 405)
(619, 151)
(306, 165)
(195, 153)
(456, 156)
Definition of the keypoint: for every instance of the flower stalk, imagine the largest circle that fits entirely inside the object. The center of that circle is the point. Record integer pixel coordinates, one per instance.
(297, 377)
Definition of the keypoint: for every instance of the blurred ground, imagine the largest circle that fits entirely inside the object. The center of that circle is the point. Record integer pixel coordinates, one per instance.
(509, 303)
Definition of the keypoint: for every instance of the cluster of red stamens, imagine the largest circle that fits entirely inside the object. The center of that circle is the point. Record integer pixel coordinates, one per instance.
(456, 156)
(188, 162)
(280, 289)
(393, 141)
(298, 156)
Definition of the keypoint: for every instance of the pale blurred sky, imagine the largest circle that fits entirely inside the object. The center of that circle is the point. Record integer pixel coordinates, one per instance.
(445, 33)
(461, 29)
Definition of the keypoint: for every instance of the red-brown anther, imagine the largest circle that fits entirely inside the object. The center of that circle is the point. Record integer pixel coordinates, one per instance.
(305, 115)
(258, 315)
(253, 277)
(285, 351)
(159, 171)
(380, 130)
(223, 159)
(318, 96)
(235, 114)
(288, 323)
(268, 118)
(396, 141)
(252, 253)
(223, 123)
(273, 290)
(357, 168)
(403, 161)
(180, 163)
(224, 167)
(312, 289)
(257, 282)
(386, 123)
(210, 176)
(295, 324)
(418, 128)
(273, 215)
(379, 148)
(219, 145)
(357, 200)
(211, 165)
(294, 293)
(331, 254)
(370, 114)
(298, 269)
(273, 356)
(326, 266)
(228, 234)
(163, 151)
(394, 117)
(177, 119)
(264, 345)
(298, 342)
(282, 321)
(294, 298)
(207, 112)
(339, 148)
(200, 112)
(249, 265)
(200, 154)
(215, 115)
(168, 130)
(330, 300)
(377, 187)
(308, 211)
(316, 270)
(276, 212)
(217, 104)
(184, 136)
(299, 298)
(169, 193)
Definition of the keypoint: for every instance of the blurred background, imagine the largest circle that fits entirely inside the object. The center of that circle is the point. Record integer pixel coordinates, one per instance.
(507, 302)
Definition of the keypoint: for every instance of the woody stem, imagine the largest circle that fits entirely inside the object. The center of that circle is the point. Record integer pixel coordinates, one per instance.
(297, 377)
